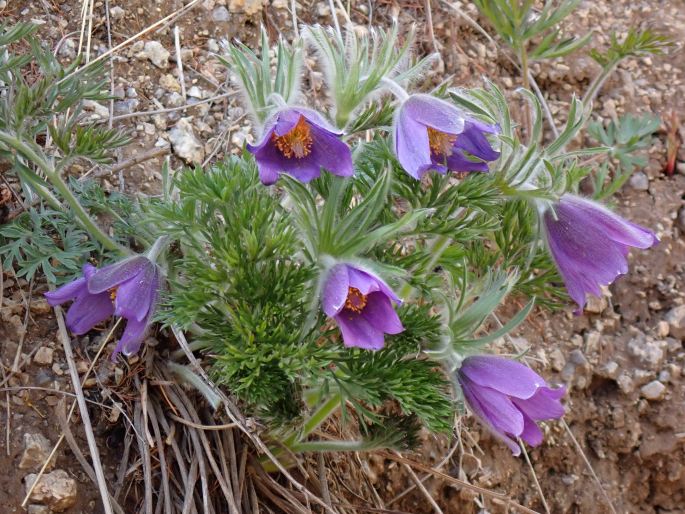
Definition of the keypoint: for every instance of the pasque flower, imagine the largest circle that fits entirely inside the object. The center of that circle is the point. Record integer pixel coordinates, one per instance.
(128, 288)
(87, 309)
(300, 142)
(433, 134)
(508, 398)
(362, 306)
(589, 244)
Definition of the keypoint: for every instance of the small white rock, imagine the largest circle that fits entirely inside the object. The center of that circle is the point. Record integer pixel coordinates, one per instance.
(44, 356)
(57, 490)
(654, 390)
(676, 321)
(220, 14)
(196, 92)
(156, 53)
(184, 142)
(639, 181)
(37, 449)
(116, 12)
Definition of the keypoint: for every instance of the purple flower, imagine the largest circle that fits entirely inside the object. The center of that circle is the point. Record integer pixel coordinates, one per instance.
(508, 398)
(361, 305)
(88, 309)
(432, 134)
(134, 285)
(300, 142)
(128, 288)
(590, 244)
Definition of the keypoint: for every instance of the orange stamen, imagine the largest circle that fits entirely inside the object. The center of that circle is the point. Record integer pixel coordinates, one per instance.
(440, 142)
(297, 142)
(356, 301)
(113, 294)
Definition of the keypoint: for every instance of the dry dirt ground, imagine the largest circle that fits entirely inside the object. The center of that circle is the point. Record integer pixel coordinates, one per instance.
(632, 436)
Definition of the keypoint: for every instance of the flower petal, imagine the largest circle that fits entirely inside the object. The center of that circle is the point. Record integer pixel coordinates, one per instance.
(380, 313)
(331, 153)
(473, 140)
(434, 112)
(504, 375)
(134, 297)
(67, 292)
(531, 432)
(411, 144)
(132, 338)
(544, 404)
(111, 276)
(473, 401)
(358, 332)
(87, 311)
(335, 290)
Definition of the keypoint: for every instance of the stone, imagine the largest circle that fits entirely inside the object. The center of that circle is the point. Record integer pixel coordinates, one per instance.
(596, 305)
(249, 7)
(126, 106)
(662, 329)
(610, 369)
(37, 449)
(38, 509)
(220, 14)
(557, 359)
(155, 53)
(653, 391)
(170, 83)
(676, 321)
(185, 144)
(625, 383)
(650, 353)
(116, 12)
(98, 109)
(196, 92)
(577, 358)
(44, 356)
(57, 490)
(639, 181)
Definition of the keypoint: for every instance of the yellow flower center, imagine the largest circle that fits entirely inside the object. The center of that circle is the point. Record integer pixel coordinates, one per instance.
(296, 142)
(113, 293)
(440, 142)
(356, 301)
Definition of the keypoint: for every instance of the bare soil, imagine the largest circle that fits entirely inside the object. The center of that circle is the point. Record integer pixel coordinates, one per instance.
(635, 446)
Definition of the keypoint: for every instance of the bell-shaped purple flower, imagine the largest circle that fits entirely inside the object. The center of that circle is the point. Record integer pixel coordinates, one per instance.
(134, 284)
(589, 244)
(433, 134)
(300, 142)
(87, 309)
(509, 398)
(361, 304)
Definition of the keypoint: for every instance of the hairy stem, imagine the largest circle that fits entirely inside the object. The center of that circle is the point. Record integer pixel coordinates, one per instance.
(523, 58)
(595, 86)
(60, 186)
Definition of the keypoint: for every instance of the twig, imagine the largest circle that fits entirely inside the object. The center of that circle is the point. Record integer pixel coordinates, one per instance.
(334, 15)
(589, 466)
(179, 62)
(85, 416)
(73, 445)
(325, 493)
(200, 426)
(181, 10)
(535, 477)
(170, 109)
(71, 412)
(25, 327)
(8, 407)
(293, 12)
(491, 494)
(429, 22)
(90, 29)
(111, 65)
(137, 159)
(421, 487)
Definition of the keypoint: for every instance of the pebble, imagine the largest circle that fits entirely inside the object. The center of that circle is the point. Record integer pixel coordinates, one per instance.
(37, 449)
(639, 181)
(676, 321)
(196, 92)
(185, 144)
(38, 509)
(220, 14)
(557, 359)
(156, 53)
(116, 12)
(44, 356)
(654, 390)
(662, 329)
(625, 383)
(126, 106)
(649, 352)
(249, 7)
(57, 490)
(170, 83)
